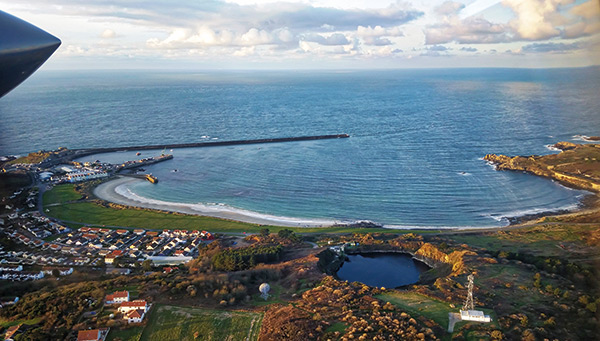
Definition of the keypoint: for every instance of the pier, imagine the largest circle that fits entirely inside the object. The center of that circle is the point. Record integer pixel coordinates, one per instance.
(89, 151)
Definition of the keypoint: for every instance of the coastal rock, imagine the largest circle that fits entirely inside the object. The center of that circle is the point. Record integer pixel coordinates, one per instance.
(565, 145)
(577, 165)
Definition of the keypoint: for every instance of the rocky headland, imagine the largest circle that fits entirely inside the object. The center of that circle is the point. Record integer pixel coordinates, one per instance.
(577, 165)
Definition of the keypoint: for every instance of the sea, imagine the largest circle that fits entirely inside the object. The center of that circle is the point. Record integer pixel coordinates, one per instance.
(414, 157)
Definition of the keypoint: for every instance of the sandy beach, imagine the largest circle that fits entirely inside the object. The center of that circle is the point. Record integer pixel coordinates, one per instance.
(116, 191)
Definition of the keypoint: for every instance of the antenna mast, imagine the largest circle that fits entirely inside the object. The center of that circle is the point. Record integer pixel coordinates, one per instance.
(469, 305)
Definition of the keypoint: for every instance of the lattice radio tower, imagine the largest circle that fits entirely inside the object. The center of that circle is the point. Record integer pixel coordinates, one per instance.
(469, 305)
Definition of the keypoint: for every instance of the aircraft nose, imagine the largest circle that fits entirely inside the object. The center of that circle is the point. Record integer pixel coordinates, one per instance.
(23, 49)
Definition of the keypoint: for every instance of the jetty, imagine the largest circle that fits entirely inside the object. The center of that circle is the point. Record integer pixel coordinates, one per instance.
(90, 151)
(64, 155)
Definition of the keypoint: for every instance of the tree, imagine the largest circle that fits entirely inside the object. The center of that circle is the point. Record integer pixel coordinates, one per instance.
(264, 232)
(55, 273)
(285, 233)
(147, 265)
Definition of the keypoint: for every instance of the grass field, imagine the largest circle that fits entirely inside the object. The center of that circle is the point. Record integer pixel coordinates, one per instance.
(129, 334)
(60, 194)
(419, 305)
(540, 240)
(181, 323)
(93, 214)
(7, 323)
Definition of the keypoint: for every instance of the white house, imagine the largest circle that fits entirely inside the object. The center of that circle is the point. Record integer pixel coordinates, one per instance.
(117, 297)
(135, 316)
(126, 307)
(474, 315)
(61, 271)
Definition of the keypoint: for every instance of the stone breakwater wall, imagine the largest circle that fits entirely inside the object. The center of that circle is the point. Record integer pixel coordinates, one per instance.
(90, 151)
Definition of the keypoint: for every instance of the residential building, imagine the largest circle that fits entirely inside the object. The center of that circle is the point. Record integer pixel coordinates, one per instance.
(126, 307)
(93, 334)
(117, 297)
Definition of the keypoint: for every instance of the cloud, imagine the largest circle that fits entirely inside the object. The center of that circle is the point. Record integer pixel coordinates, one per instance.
(108, 34)
(472, 30)
(551, 47)
(332, 40)
(436, 51)
(468, 49)
(378, 35)
(588, 23)
(536, 19)
(438, 48)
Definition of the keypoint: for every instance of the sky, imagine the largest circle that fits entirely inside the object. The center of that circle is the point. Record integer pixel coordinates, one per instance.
(316, 34)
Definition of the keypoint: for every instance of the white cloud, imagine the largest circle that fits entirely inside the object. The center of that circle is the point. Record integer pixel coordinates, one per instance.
(471, 30)
(331, 40)
(108, 34)
(536, 19)
(378, 35)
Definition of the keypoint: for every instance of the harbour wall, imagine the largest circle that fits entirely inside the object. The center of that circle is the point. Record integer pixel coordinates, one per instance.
(90, 151)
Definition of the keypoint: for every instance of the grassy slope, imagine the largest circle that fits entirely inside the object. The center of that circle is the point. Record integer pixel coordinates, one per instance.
(179, 323)
(129, 334)
(94, 214)
(60, 194)
(420, 305)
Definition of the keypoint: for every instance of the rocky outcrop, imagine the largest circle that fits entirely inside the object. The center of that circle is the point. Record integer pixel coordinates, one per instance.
(577, 165)
(565, 145)
(455, 259)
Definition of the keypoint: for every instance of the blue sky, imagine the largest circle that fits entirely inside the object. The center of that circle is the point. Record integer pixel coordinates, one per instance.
(315, 34)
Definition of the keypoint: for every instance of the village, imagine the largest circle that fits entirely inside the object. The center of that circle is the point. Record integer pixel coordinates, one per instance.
(91, 246)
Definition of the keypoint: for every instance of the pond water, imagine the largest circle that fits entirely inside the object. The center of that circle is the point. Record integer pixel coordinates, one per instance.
(388, 270)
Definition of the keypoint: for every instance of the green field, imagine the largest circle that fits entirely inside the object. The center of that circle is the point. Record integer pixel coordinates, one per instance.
(181, 323)
(90, 213)
(129, 334)
(9, 323)
(419, 305)
(60, 194)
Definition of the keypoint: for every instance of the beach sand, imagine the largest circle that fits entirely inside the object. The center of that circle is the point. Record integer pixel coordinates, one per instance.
(116, 191)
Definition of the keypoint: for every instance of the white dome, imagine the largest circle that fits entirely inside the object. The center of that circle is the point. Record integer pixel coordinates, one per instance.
(264, 288)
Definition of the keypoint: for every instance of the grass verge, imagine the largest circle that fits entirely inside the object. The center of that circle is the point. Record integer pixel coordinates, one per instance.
(184, 323)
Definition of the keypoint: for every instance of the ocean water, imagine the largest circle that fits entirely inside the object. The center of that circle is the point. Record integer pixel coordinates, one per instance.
(413, 158)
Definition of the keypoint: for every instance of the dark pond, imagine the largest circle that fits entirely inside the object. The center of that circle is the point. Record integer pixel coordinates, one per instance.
(388, 270)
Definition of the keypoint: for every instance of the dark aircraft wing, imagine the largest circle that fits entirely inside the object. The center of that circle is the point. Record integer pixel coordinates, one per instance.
(23, 49)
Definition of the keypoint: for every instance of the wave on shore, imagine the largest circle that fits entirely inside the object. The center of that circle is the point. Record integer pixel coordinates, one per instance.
(117, 191)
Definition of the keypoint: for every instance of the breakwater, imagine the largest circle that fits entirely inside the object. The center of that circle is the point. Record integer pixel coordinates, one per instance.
(90, 151)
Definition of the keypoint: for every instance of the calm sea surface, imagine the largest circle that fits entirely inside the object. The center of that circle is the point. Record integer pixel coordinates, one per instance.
(413, 159)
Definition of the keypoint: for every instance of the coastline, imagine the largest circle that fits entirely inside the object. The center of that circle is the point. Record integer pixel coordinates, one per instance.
(115, 191)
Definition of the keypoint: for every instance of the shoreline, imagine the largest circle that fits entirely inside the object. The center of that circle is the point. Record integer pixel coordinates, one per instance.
(116, 191)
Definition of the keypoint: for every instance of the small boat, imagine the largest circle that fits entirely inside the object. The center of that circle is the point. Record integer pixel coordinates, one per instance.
(175, 171)
(151, 178)
(138, 153)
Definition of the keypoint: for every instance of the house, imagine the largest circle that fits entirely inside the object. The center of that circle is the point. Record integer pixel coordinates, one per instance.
(11, 331)
(126, 307)
(135, 316)
(11, 267)
(9, 301)
(138, 231)
(168, 270)
(117, 297)
(93, 334)
(474, 315)
(62, 270)
(110, 259)
(118, 271)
